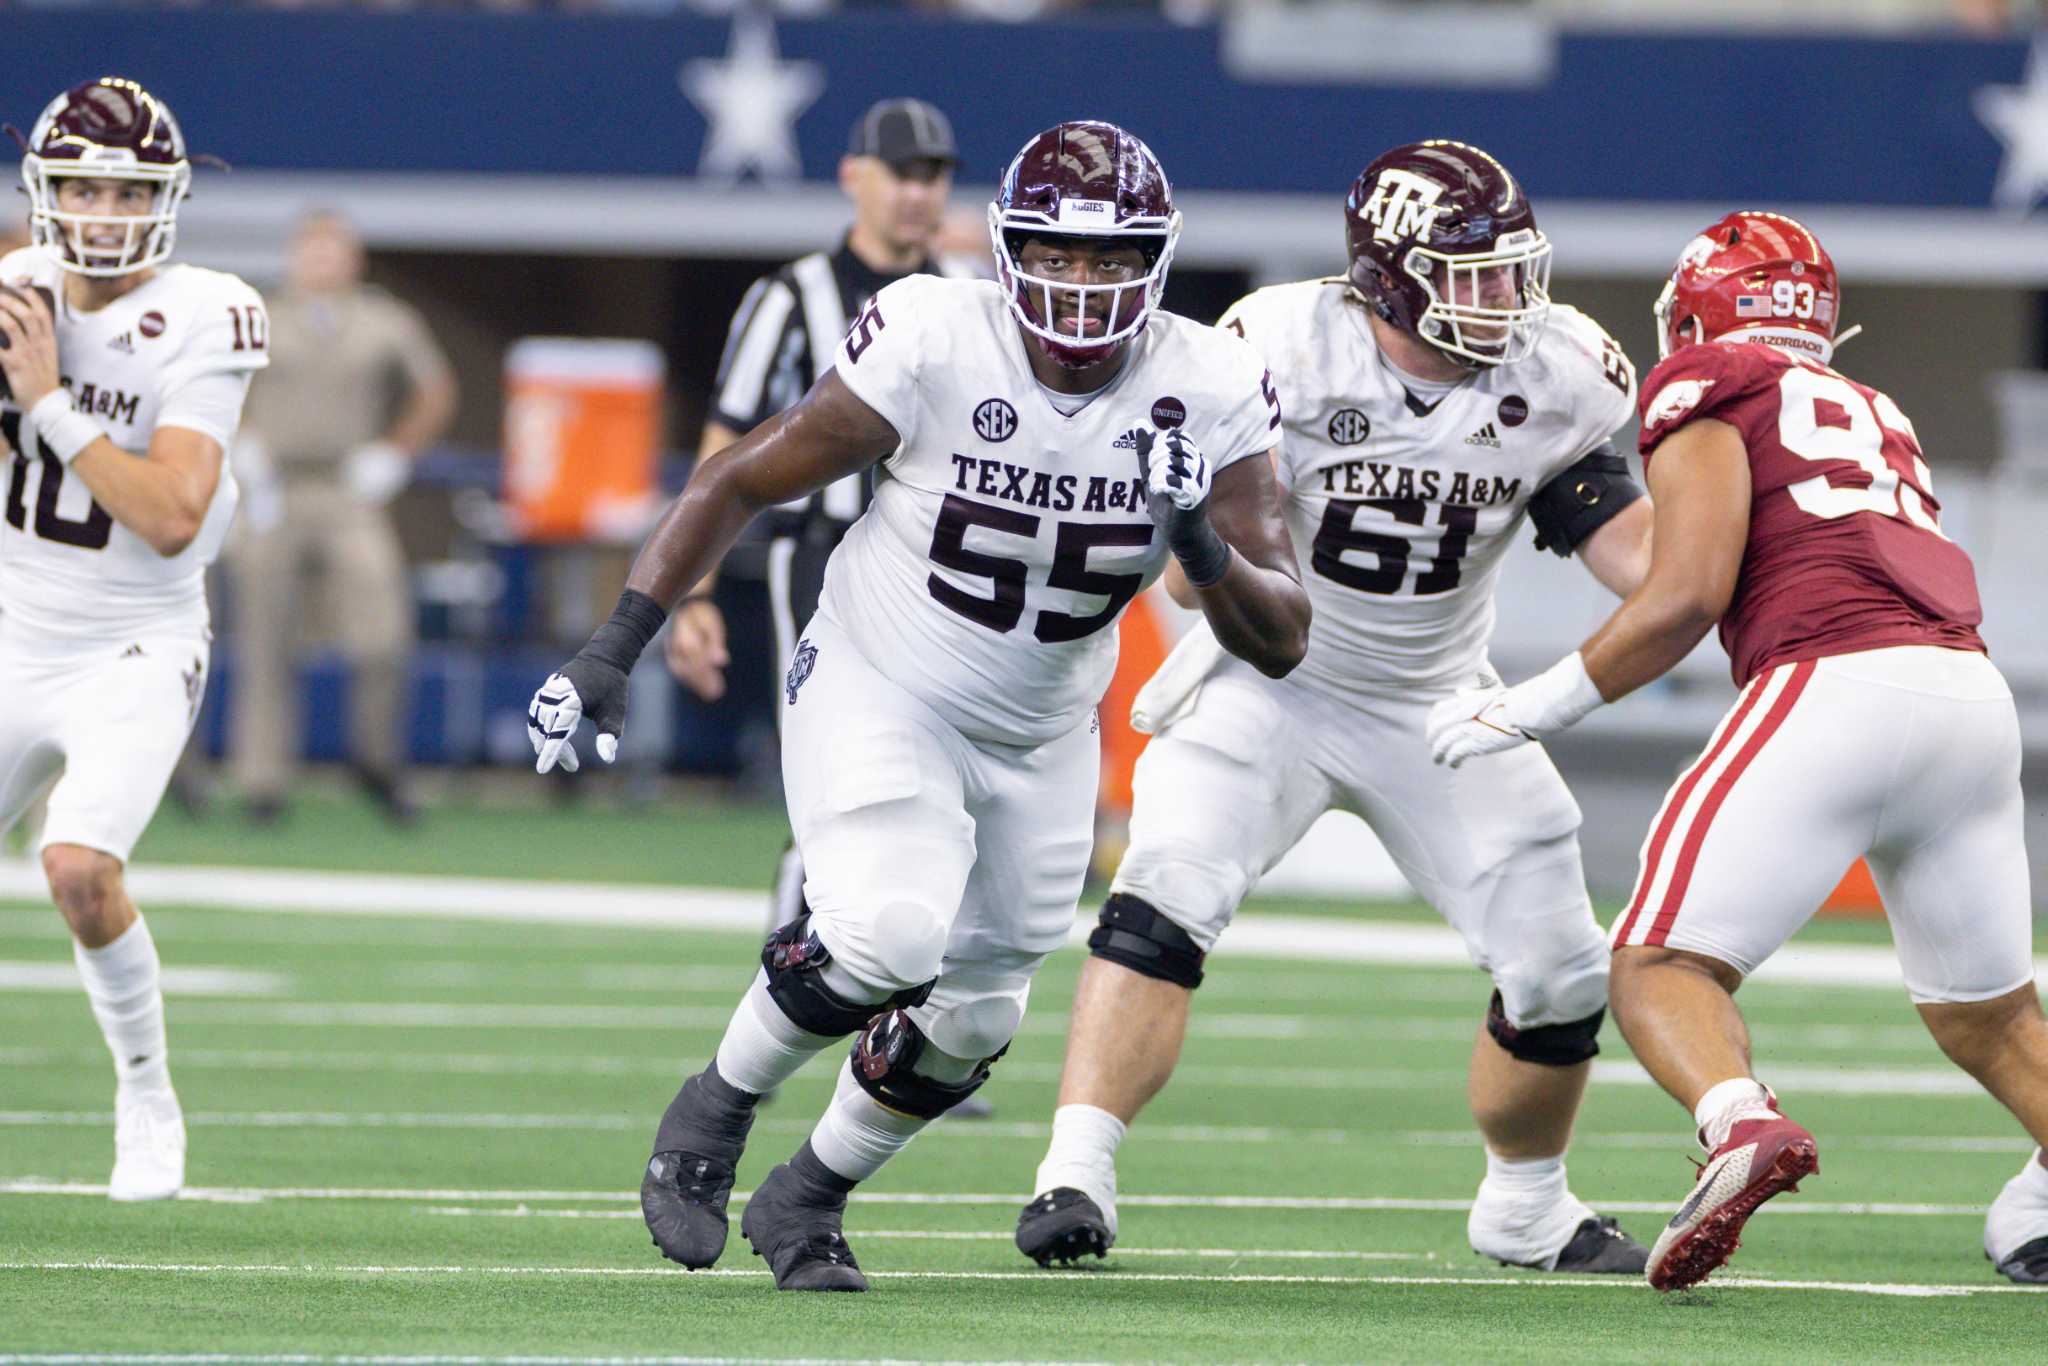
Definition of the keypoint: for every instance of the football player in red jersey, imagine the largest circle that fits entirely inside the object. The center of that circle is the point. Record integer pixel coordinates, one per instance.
(1794, 507)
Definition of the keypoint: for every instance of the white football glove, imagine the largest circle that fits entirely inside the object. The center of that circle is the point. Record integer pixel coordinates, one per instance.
(1470, 724)
(1176, 470)
(583, 687)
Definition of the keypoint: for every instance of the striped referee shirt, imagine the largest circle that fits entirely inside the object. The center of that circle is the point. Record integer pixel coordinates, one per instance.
(787, 328)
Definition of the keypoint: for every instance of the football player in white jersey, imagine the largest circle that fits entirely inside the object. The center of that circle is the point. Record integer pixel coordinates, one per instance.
(124, 384)
(1434, 398)
(1042, 445)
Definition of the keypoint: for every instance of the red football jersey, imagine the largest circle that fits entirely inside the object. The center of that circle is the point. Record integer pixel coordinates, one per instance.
(1845, 547)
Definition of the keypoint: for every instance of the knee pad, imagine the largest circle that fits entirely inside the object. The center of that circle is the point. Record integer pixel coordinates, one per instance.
(884, 1065)
(1553, 1045)
(793, 959)
(909, 941)
(980, 1028)
(1133, 935)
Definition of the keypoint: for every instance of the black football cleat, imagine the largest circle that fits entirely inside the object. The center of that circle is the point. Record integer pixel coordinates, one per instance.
(2027, 1264)
(796, 1227)
(1063, 1226)
(1599, 1247)
(689, 1178)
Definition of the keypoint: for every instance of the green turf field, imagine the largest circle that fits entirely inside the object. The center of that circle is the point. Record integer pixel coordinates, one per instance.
(420, 1136)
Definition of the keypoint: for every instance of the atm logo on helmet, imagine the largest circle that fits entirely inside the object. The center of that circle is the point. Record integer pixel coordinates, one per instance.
(1403, 206)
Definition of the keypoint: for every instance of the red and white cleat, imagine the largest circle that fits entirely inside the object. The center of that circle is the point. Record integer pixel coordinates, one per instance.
(1761, 1158)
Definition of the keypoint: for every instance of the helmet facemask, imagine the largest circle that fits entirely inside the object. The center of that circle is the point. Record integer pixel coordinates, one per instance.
(1035, 301)
(147, 239)
(1460, 322)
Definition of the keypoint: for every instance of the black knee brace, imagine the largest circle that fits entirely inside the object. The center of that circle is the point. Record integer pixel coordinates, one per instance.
(883, 1056)
(1134, 935)
(1557, 1045)
(792, 957)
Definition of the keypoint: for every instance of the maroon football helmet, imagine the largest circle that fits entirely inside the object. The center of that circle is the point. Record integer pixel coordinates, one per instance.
(108, 129)
(1445, 247)
(1753, 277)
(1091, 180)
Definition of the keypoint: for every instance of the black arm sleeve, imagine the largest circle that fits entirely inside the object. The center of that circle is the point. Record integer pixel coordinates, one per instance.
(1582, 499)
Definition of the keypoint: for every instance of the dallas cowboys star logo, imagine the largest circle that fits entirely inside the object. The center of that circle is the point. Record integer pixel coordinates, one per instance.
(752, 100)
(2018, 114)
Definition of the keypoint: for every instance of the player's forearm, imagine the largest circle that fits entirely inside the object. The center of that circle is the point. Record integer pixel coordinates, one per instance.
(1259, 614)
(693, 536)
(162, 503)
(1647, 637)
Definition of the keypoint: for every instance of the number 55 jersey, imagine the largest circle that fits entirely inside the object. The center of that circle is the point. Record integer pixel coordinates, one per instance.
(178, 351)
(1007, 535)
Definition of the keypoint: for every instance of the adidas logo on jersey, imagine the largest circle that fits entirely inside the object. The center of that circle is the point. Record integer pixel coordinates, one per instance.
(125, 344)
(1485, 436)
(1127, 442)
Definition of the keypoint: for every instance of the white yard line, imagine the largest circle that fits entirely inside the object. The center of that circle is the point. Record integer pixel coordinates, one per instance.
(277, 891)
(177, 981)
(1913, 1291)
(1682, 1140)
(443, 1195)
(1675, 1140)
(977, 1236)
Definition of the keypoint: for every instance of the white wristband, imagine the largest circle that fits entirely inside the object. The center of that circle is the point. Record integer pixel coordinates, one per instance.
(61, 429)
(1558, 697)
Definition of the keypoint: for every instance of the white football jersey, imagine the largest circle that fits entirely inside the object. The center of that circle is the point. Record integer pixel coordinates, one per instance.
(1005, 539)
(67, 569)
(1401, 512)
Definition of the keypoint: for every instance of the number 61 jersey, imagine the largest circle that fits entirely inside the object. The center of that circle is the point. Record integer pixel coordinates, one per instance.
(178, 350)
(1402, 508)
(1006, 537)
(1845, 548)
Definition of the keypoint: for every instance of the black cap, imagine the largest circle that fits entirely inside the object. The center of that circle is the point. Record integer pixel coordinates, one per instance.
(904, 130)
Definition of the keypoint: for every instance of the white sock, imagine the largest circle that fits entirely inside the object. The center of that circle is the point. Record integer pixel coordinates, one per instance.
(762, 1048)
(2020, 1213)
(1082, 1154)
(1524, 1212)
(855, 1136)
(123, 980)
(1726, 1102)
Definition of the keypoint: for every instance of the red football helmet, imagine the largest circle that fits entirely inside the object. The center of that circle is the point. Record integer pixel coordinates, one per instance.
(1753, 277)
(108, 129)
(1083, 179)
(1444, 246)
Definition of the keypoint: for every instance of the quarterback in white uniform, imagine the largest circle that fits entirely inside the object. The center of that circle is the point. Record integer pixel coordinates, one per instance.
(1042, 447)
(124, 385)
(1434, 398)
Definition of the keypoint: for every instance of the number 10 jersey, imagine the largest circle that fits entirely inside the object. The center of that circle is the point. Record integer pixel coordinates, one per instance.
(1005, 537)
(176, 351)
(1401, 508)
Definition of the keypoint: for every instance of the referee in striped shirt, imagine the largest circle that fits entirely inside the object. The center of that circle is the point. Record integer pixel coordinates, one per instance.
(898, 171)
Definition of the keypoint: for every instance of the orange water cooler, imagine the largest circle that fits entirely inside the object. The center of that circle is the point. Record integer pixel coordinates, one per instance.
(582, 438)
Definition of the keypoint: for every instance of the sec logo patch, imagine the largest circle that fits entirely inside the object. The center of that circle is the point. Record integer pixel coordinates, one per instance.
(995, 420)
(1348, 426)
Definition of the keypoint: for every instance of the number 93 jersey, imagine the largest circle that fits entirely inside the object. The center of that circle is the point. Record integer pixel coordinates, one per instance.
(1402, 509)
(1005, 537)
(1846, 551)
(176, 351)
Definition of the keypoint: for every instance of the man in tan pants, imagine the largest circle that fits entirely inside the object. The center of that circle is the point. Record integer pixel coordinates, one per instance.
(322, 457)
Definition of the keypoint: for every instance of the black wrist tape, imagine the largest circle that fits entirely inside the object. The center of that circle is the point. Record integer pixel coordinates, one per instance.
(1204, 556)
(633, 623)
